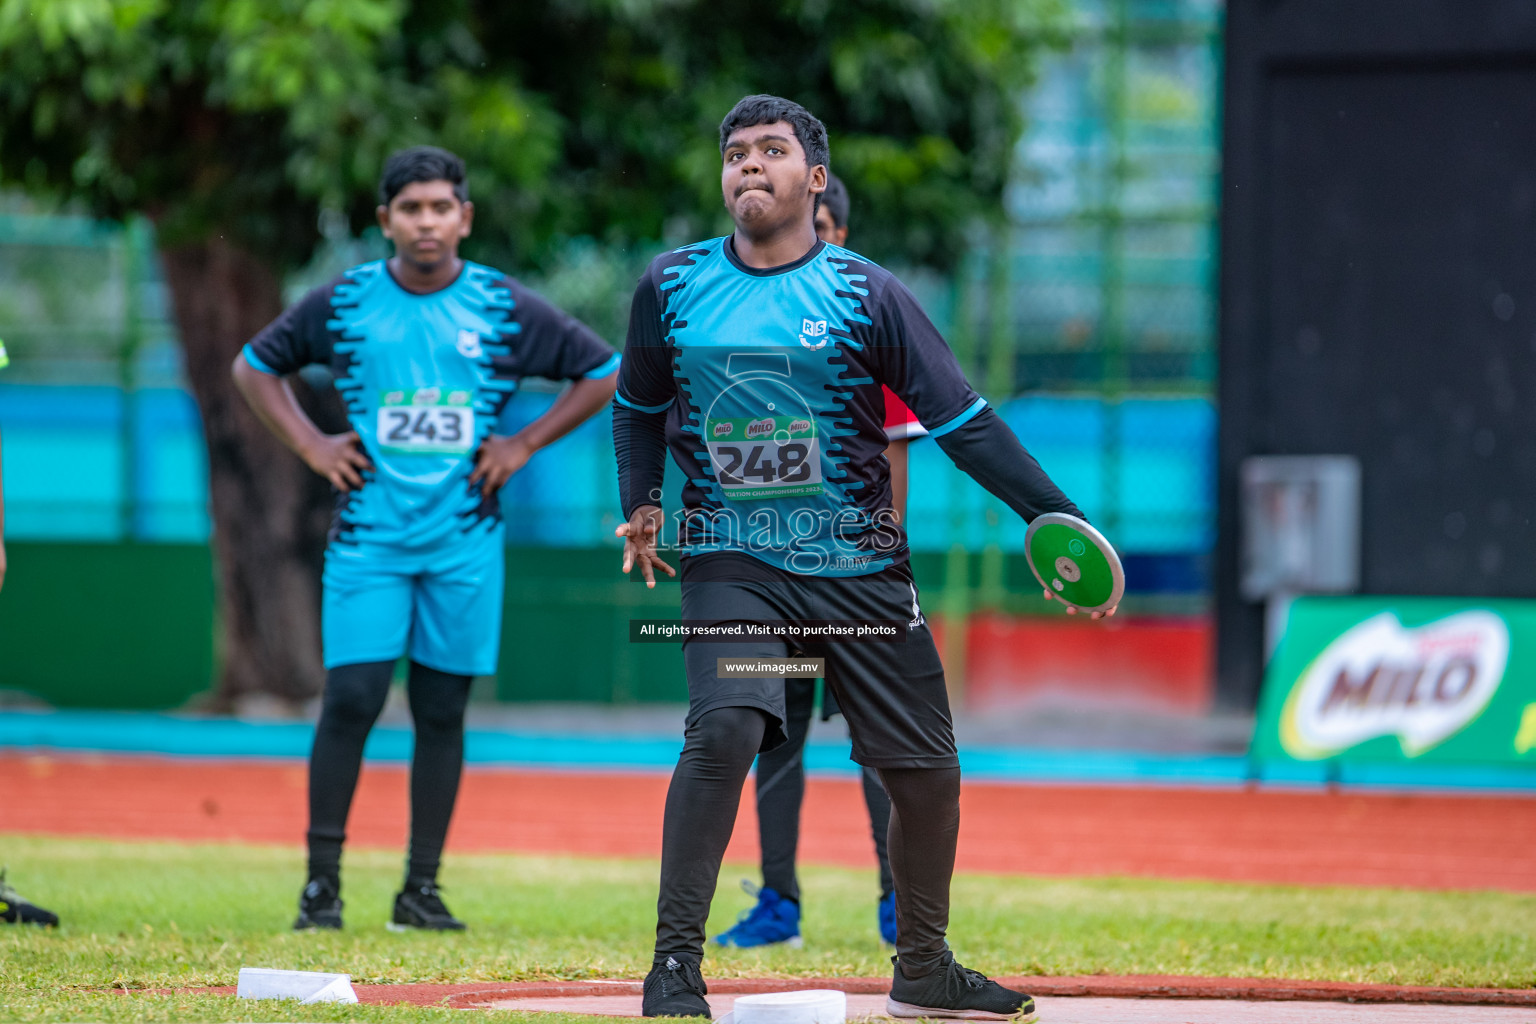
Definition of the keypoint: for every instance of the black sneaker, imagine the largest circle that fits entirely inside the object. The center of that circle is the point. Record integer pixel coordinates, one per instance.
(674, 988)
(16, 909)
(956, 992)
(319, 905)
(420, 905)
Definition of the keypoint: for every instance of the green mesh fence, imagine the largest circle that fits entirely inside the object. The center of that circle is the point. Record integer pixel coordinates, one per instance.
(1087, 314)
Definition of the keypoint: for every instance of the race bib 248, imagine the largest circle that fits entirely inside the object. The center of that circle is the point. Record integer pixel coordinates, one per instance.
(767, 457)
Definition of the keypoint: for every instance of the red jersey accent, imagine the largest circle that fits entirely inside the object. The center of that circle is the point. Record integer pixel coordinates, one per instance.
(900, 422)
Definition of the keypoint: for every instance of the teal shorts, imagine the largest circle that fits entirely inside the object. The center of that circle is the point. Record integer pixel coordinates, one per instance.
(441, 604)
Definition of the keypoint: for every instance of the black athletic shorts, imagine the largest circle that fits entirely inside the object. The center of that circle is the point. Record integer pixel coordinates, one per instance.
(892, 694)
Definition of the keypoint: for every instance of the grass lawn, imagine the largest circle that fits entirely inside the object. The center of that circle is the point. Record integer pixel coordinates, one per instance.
(155, 915)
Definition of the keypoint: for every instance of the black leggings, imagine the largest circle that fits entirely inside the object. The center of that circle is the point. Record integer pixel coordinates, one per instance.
(354, 696)
(718, 750)
(781, 791)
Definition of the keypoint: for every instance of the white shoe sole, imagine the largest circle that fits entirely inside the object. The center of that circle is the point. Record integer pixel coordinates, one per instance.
(908, 1010)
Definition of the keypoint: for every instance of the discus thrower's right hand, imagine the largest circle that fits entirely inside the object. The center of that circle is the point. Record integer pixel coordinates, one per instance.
(640, 543)
(340, 459)
(1106, 613)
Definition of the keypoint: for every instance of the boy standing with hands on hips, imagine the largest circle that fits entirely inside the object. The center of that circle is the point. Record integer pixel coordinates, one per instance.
(426, 349)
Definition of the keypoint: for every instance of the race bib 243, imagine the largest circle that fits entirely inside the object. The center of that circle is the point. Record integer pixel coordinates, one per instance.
(427, 421)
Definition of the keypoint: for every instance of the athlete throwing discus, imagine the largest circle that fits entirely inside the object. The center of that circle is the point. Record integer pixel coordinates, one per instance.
(426, 349)
(780, 774)
(758, 360)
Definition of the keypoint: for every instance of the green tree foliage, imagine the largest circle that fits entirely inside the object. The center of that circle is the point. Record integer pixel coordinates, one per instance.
(238, 126)
(577, 117)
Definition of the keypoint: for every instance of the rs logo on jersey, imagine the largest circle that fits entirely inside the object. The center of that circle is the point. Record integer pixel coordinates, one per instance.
(469, 344)
(813, 329)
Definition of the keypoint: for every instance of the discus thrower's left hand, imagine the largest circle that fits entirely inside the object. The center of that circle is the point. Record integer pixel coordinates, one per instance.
(1106, 613)
(640, 543)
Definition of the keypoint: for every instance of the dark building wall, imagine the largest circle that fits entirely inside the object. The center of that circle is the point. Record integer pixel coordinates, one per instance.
(1379, 286)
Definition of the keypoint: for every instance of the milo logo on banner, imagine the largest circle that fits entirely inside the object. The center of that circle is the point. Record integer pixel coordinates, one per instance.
(1380, 678)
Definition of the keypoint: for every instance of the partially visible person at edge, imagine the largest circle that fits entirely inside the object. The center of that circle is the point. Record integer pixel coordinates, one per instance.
(5, 361)
(15, 908)
(901, 425)
(426, 349)
(757, 359)
(780, 775)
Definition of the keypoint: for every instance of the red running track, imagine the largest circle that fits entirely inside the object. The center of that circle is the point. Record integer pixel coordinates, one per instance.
(1259, 835)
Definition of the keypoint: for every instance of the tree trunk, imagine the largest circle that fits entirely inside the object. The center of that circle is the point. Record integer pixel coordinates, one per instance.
(270, 513)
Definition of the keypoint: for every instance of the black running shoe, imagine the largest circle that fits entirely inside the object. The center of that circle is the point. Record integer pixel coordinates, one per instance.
(319, 905)
(16, 909)
(956, 992)
(674, 988)
(420, 905)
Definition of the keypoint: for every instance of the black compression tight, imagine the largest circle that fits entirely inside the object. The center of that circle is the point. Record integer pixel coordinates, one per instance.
(925, 827)
(702, 801)
(437, 702)
(354, 696)
(781, 791)
(701, 812)
(878, 802)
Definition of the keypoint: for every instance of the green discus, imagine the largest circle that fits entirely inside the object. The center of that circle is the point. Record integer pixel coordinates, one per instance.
(1074, 562)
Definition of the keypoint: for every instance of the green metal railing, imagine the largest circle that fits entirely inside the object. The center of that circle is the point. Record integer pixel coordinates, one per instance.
(1102, 279)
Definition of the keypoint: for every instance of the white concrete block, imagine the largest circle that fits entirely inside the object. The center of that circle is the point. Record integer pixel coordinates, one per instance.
(305, 986)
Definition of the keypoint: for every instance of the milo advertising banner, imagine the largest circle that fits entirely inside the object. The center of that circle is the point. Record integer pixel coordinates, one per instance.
(1402, 679)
